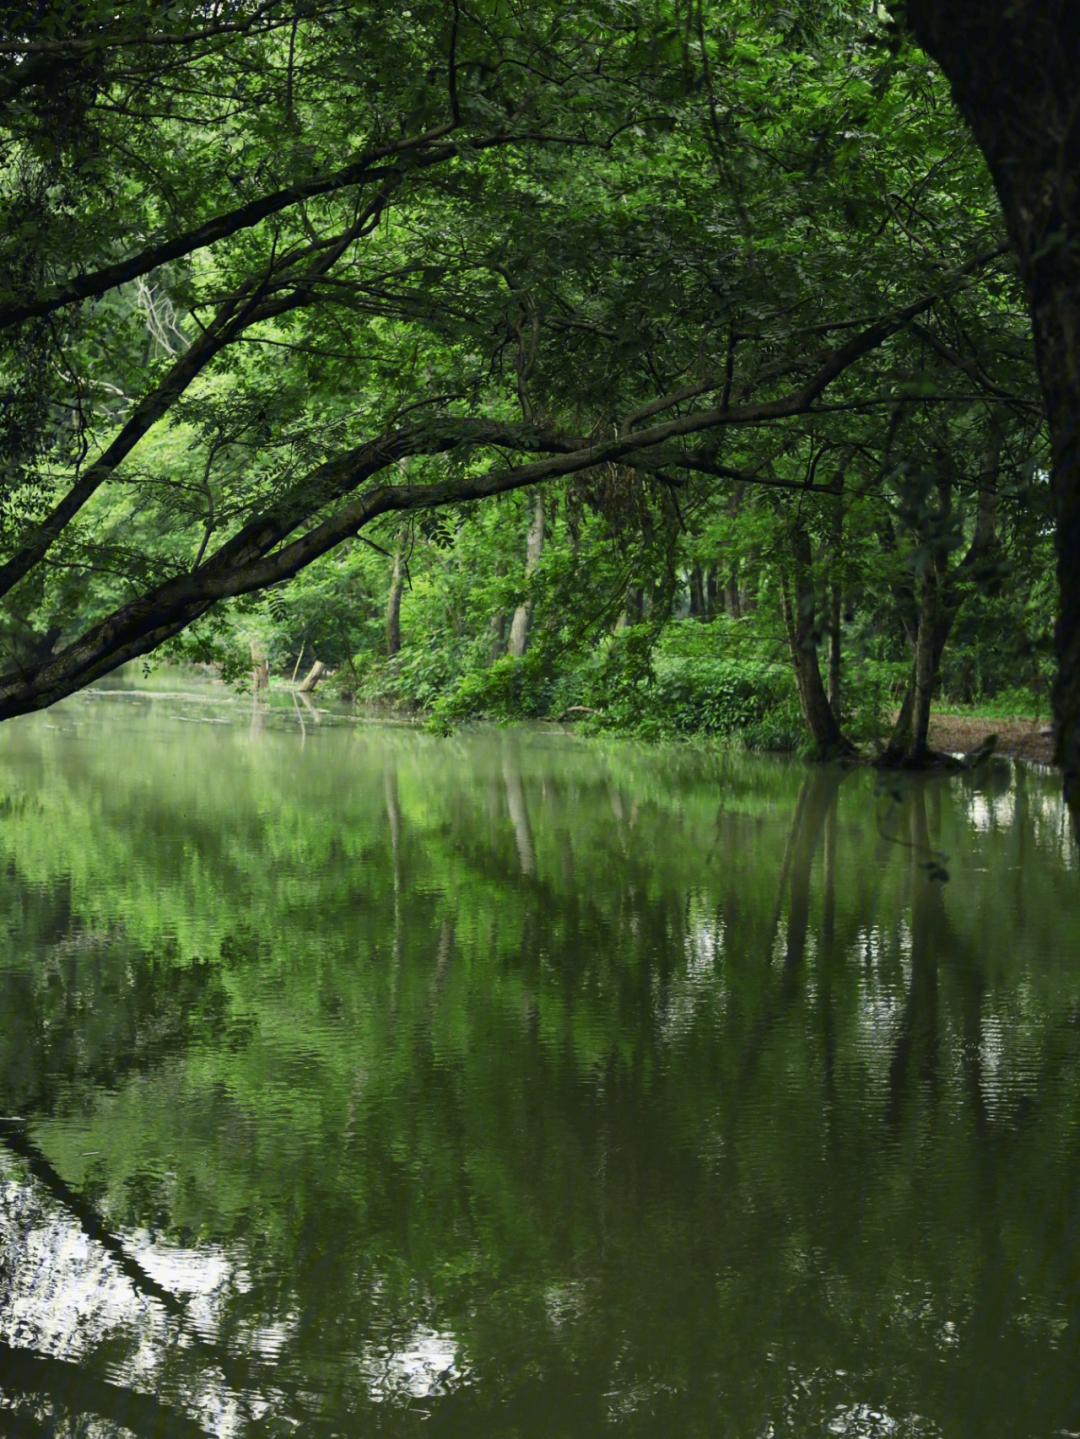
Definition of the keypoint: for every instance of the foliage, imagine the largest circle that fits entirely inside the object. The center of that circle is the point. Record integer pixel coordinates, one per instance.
(721, 289)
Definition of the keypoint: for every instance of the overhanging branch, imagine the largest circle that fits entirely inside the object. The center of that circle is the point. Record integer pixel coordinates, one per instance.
(421, 151)
(261, 554)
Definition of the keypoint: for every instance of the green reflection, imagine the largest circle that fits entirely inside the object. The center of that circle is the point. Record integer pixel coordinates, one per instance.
(514, 1085)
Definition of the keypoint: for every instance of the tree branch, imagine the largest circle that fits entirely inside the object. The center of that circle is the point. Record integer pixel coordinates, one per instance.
(251, 560)
(364, 170)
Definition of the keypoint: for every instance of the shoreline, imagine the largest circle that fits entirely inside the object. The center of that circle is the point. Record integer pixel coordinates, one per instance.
(1016, 738)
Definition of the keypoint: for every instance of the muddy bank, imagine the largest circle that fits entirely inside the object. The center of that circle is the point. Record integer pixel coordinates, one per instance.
(1017, 738)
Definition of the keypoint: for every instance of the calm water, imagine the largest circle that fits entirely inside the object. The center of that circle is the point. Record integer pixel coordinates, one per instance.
(364, 1083)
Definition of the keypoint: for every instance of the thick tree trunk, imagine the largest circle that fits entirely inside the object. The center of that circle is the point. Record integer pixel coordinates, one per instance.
(798, 610)
(900, 739)
(1015, 75)
(939, 603)
(534, 545)
(393, 605)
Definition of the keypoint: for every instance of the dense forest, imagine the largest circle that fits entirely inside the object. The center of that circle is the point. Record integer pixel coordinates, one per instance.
(675, 367)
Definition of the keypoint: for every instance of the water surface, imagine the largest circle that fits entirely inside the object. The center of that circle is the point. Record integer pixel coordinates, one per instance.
(359, 1082)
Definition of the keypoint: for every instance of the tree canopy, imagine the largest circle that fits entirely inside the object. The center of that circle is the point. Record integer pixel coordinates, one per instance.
(286, 289)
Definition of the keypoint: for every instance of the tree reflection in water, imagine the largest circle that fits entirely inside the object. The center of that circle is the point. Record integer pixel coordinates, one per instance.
(517, 1086)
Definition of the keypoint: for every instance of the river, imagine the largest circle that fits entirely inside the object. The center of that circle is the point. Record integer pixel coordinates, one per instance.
(362, 1082)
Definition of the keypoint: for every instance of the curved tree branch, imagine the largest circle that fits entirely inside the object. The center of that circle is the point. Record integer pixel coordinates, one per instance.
(259, 554)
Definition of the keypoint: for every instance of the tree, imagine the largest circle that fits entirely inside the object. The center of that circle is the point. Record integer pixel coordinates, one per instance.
(544, 247)
(1015, 76)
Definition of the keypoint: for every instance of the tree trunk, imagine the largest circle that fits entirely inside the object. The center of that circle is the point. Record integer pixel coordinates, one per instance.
(927, 656)
(393, 605)
(497, 630)
(799, 624)
(908, 744)
(1015, 75)
(497, 625)
(835, 610)
(731, 594)
(312, 678)
(941, 599)
(836, 547)
(260, 672)
(519, 625)
(697, 593)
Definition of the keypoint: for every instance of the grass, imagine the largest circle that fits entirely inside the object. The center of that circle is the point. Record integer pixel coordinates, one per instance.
(1018, 704)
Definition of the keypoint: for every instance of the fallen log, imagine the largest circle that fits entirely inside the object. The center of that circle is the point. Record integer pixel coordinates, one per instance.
(574, 709)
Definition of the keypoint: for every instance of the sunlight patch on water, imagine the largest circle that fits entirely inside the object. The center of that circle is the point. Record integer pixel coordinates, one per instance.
(991, 812)
(565, 1303)
(62, 1293)
(59, 1291)
(424, 1365)
(1052, 825)
(701, 986)
(862, 1421)
(811, 1408)
(645, 1394)
(1008, 1066)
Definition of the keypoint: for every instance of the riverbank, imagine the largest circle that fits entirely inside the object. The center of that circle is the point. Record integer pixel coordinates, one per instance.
(1016, 738)
(691, 716)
